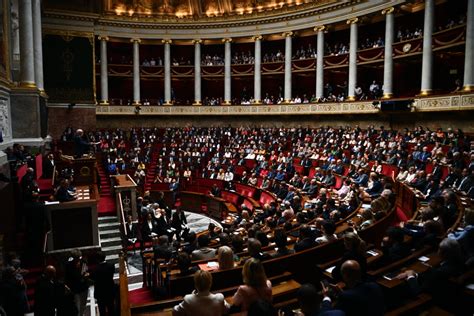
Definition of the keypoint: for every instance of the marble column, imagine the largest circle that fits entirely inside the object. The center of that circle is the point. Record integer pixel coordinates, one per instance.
(320, 62)
(197, 72)
(136, 71)
(27, 68)
(288, 57)
(388, 54)
(167, 63)
(257, 80)
(352, 59)
(469, 55)
(104, 75)
(227, 71)
(38, 44)
(427, 63)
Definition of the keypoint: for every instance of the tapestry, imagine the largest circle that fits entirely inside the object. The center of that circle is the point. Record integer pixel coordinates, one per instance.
(68, 69)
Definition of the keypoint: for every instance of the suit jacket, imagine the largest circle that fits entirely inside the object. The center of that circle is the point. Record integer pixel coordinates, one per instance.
(45, 297)
(81, 146)
(103, 277)
(131, 232)
(48, 169)
(62, 195)
(162, 252)
(146, 230)
(363, 299)
(202, 304)
(303, 244)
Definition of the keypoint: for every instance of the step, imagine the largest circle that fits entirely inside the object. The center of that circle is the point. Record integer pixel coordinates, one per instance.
(110, 242)
(110, 233)
(113, 258)
(111, 250)
(109, 225)
(108, 219)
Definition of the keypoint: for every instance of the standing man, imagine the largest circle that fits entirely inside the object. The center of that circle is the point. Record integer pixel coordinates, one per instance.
(81, 145)
(104, 286)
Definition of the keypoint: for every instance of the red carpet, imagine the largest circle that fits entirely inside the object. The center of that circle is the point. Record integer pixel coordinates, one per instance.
(106, 205)
(140, 296)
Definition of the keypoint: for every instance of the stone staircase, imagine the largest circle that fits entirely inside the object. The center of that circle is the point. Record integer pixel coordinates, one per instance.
(110, 238)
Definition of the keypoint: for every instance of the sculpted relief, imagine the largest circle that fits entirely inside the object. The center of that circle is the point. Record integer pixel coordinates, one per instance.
(5, 125)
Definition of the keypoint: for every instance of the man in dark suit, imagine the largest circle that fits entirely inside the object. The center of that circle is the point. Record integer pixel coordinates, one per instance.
(359, 298)
(104, 286)
(149, 228)
(81, 146)
(63, 194)
(305, 240)
(163, 250)
(45, 293)
(215, 191)
(48, 166)
(131, 231)
(312, 303)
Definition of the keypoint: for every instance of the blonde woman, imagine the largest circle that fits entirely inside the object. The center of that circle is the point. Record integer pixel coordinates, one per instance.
(256, 286)
(202, 301)
(225, 257)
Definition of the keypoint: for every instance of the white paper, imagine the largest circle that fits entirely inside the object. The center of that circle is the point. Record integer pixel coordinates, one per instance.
(424, 259)
(330, 269)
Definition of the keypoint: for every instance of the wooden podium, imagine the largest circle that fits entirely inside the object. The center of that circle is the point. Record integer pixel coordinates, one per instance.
(74, 224)
(125, 190)
(85, 169)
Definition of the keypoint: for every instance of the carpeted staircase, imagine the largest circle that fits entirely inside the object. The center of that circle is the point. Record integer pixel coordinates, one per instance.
(151, 172)
(106, 206)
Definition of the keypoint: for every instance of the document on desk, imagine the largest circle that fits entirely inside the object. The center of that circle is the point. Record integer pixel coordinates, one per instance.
(330, 269)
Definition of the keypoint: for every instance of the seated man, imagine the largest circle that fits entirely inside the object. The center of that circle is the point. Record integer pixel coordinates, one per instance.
(358, 297)
(203, 252)
(62, 192)
(163, 250)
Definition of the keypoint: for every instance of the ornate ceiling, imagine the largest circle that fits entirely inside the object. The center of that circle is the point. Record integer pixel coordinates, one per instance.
(200, 8)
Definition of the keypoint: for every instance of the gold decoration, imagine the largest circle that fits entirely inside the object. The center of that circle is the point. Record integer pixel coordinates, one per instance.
(85, 171)
(352, 21)
(137, 40)
(227, 40)
(287, 34)
(103, 38)
(167, 41)
(257, 38)
(197, 41)
(319, 28)
(388, 10)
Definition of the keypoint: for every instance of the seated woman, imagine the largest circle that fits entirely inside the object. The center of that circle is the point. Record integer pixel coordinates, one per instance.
(256, 286)
(201, 301)
(225, 257)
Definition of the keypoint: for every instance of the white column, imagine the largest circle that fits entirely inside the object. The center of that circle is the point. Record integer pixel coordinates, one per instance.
(197, 72)
(167, 61)
(136, 71)
(288, 56)
(469, 56)
(104, 74)
(38, 44)
(27, 68)
(427, 64)
(320, 62)
(352, 59)
(227, 71)
(257, 80)
(388, 54)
